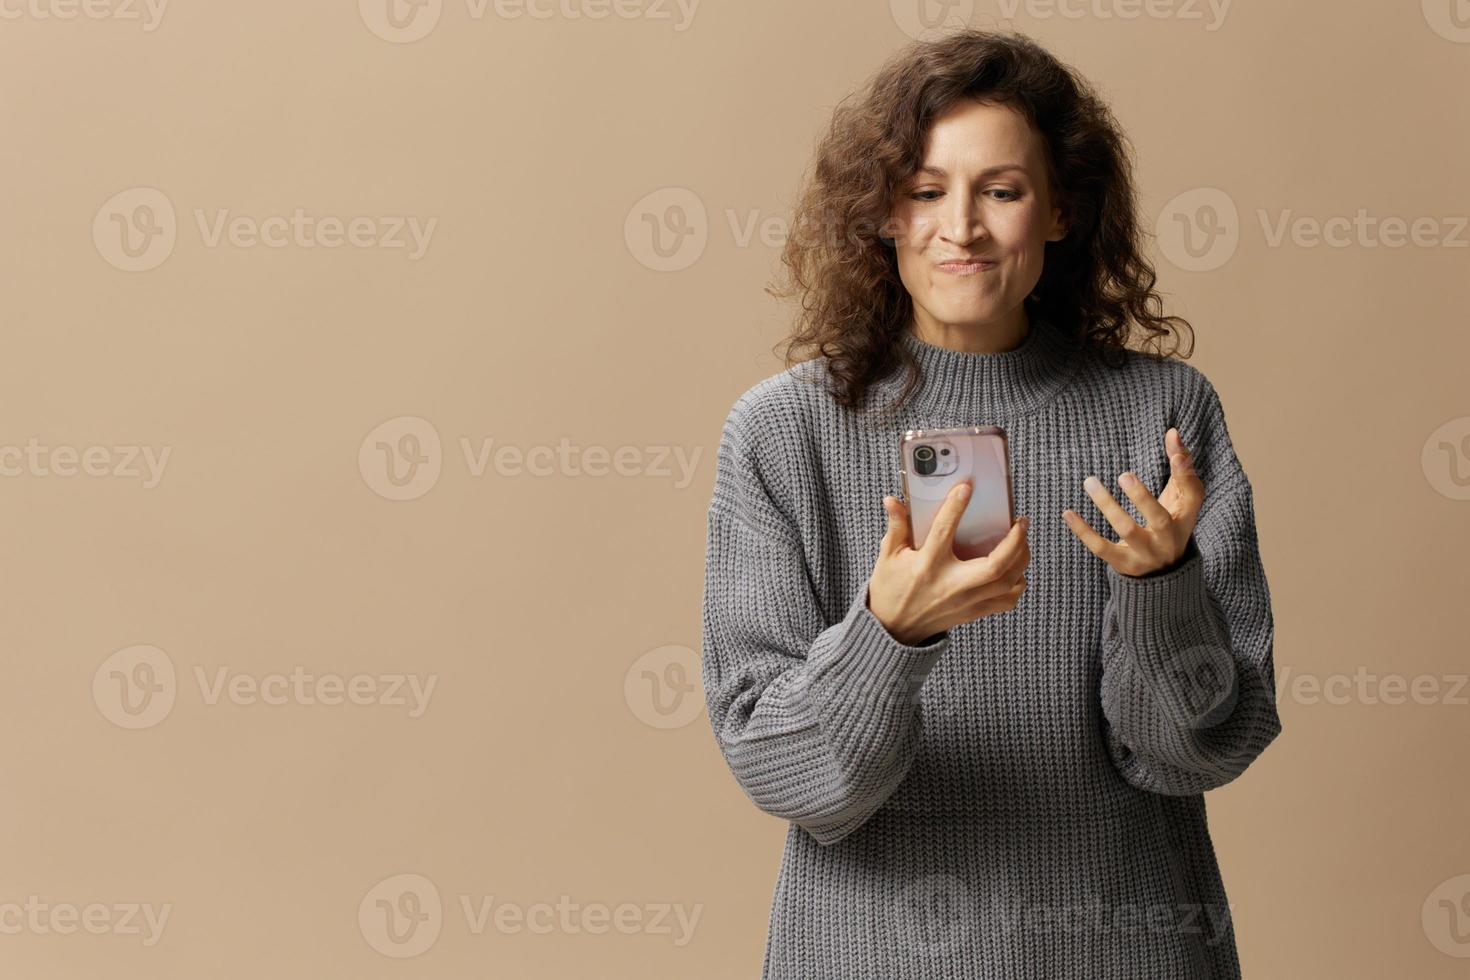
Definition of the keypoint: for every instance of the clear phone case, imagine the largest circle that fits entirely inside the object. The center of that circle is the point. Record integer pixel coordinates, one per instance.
(934, 460)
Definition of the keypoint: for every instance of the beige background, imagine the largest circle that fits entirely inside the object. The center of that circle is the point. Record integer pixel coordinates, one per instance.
(544, 608)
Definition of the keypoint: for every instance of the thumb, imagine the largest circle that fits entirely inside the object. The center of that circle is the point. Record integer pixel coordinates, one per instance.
(897, 536)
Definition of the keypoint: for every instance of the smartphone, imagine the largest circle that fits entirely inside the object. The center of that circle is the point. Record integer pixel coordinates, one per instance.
(934, 460)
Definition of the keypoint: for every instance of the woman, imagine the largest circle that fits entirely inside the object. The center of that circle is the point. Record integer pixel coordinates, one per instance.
(982, 780)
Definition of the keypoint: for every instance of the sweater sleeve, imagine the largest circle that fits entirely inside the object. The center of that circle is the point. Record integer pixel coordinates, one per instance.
(1188, 686)
(817, 720)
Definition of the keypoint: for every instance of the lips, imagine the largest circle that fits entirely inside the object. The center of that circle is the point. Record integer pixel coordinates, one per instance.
(967, 265)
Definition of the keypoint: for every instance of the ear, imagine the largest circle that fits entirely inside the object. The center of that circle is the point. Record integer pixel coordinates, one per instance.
(1058, 229)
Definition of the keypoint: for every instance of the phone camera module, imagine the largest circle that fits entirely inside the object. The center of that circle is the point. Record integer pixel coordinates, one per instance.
(933, 459)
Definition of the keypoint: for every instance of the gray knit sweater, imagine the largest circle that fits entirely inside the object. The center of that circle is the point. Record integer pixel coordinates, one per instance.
(1019, 797)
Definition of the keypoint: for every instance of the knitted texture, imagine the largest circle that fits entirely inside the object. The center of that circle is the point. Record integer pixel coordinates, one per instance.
(1020, 796)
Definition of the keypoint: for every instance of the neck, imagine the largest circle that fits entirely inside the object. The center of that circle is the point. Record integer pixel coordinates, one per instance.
(968, 387)
(996, 337)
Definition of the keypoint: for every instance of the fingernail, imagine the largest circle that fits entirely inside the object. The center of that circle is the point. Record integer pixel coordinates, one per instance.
(1126, 480)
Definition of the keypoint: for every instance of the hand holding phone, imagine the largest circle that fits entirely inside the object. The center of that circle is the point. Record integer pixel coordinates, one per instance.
(920, 585)
(918, 593)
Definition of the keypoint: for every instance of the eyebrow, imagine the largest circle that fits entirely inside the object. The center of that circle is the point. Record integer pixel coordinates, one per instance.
(939, 171)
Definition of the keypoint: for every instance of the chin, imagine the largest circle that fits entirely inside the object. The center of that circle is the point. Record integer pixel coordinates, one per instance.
(968, 313)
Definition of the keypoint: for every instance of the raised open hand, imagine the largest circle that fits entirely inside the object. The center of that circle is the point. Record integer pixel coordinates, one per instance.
(1170, 518)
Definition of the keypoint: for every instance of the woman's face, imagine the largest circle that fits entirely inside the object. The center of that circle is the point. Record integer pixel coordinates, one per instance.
(980, 194)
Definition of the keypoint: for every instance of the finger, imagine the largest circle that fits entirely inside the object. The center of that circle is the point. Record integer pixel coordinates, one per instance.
(1154, 513)
(1174, 441)
(1181, 468)
(1181, 460)
(941, 535)
(897, 537)
(1007, 560)
(1094, 542)
(1003, 602)
(1126, 526)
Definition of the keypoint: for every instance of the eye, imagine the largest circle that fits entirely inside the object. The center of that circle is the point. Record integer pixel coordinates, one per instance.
(919, 195)
(1001, 190)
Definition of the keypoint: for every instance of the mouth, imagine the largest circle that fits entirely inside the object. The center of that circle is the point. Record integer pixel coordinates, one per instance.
(966, 267)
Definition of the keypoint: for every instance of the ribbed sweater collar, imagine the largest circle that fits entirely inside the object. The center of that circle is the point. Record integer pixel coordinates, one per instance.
(978, 388)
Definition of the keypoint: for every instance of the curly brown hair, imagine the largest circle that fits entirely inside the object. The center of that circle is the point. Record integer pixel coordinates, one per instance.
(1095, 282)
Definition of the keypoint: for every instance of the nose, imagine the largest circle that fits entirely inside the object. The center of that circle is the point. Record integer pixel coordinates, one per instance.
(963, 220)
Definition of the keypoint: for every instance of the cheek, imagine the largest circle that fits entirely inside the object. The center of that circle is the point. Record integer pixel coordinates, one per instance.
(920, 229)
(1020, 233)
(917, 237)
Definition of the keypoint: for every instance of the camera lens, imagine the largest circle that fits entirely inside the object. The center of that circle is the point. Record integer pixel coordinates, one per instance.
(924, 460)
